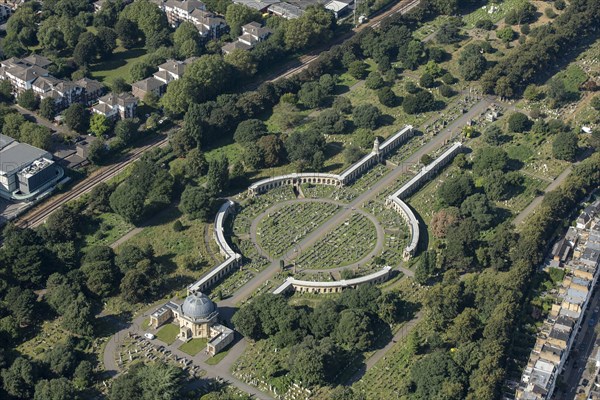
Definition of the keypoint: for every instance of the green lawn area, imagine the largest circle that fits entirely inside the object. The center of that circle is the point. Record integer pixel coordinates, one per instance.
(483, 13)
(177, 250)
(146, 324)
(217, 358)
(118, 65)
(110, 227)
(168, 333)
(193, 347)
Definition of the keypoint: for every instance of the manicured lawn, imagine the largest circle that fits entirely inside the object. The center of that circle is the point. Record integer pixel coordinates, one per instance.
(146, 324)
(168, 333)
(217, 359)
(118, 65)
(193, 347)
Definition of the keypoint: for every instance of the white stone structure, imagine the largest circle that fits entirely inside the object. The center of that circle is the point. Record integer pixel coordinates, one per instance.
(301, 286)
(349, 175)
(396, 202)
(232, 259)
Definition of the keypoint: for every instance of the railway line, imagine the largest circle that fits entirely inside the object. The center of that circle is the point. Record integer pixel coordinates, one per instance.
(38, 215)
(401, 7)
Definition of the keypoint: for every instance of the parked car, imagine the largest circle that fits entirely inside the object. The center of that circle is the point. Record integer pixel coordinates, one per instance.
(149, 336)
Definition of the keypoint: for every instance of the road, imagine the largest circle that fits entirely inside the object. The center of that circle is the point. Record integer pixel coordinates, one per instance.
(538, 200)
(390, 179)
(30, 116)
(581, 350)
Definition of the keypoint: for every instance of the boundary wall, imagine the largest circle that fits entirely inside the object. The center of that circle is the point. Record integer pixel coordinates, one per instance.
(396, 202)
(349, 175)
(232, 259)
(292, 284)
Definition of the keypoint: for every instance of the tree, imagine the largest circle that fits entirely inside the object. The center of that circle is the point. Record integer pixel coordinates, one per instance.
(83, 375)
(343, 105)
(426, 267)
(119, 85)
(24, 256)
(77, 118)
(153, 381)
(387, 97)
(99, 125)
(485, 24)
(238, 15)
(374, 80)
(101, 277)
(27, 99)
(48, 108)
(35, 135)
(442, 220)
(330, 122)
(366, 116)
(314, 26)
(63, 225)
(519, 122)
(564, 146)
(436, 374)
(205, 77)
(197, 203)
(107, 41)
(312, 94)
(478, 207)
(196, 165)
(490, 159)
(19, 379)
(128, 202)
(455, 189)
(140, 283)
(54, 389)
(423, 101)
(218, 175)
(354, 330)
(506, 34)
(307, 362)
(86, 49)
(127, 32)
(493, 135)
(186, 31)
(305, 146)
(126, 130)
(449, 32)
(78, 316)
(471, 62)
(22, 305)
(272, 150)
(242, 61)
(61, 358)
(358, 69)
(426, 80)
(249, 131)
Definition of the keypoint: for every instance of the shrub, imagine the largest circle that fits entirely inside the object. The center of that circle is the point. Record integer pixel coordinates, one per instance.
(374, 80)
(485, 24)
(177, 226)
(426, 80)
(387, 97)
(550, 13)
(446, 91)
(519, 122)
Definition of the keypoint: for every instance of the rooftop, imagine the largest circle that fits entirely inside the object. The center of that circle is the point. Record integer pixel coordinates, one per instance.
(15, 156)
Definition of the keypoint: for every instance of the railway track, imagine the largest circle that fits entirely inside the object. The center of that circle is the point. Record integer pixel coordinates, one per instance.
(38, 215)
(401, 7)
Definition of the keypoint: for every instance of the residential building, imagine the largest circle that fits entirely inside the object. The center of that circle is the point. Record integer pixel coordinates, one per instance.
(252, 34)
(179, 11)
(141, 89)
(116, 106)
(22, 73)
(209, 25)
(338, 8)
(579, 252)
(25, 170)
(286, 10)
(260, 5)
(92, 90)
